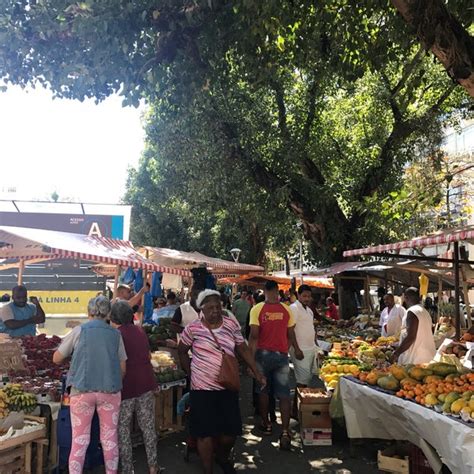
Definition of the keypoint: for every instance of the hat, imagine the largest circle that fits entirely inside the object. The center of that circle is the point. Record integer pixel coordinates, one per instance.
(204, 294)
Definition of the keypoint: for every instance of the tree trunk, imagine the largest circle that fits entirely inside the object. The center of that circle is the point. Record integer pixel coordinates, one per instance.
(443, 35)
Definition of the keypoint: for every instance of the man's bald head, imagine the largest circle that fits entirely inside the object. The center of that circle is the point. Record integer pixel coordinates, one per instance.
(20, 296)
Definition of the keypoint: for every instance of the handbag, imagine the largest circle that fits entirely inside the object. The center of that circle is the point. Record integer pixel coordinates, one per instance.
(229, 376)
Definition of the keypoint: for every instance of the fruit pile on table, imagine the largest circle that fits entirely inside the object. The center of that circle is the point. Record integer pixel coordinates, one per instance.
(39, 356)
(437, 385)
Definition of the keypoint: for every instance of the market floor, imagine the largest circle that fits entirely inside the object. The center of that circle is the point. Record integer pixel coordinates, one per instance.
(254, 453)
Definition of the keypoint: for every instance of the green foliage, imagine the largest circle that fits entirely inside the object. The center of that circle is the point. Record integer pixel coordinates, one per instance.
(259, 109)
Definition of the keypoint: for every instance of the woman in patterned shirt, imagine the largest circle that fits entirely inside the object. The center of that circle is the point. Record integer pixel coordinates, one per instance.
(215, 411)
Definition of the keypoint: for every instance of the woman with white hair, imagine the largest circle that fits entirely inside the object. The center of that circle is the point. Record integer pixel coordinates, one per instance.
(215, 413)
(95, 382)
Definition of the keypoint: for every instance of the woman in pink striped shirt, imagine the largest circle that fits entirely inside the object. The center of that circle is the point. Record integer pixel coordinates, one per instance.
(215, 411)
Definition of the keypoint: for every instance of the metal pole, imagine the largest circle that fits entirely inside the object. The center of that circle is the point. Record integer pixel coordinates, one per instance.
(21, 269)
(456, 290)
(116, 279)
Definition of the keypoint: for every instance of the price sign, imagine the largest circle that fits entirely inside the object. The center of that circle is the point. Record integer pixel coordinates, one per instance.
(10, 357)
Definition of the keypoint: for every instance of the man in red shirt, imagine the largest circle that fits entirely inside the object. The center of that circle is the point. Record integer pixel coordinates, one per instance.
(272, 331)
(331, 311)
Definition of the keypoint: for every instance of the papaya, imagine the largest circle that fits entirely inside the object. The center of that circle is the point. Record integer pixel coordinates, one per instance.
(372, 378)
(443, 369)
(452, 397)
(457, 406)
(431, 399)
(442, 397)
(432, 378)
(419, 373)
(398, 372)
(408, 381)
(450, 378)
(388, 382)
(446, 407)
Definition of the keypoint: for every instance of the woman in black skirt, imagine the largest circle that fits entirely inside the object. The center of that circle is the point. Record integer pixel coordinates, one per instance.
(215, 411)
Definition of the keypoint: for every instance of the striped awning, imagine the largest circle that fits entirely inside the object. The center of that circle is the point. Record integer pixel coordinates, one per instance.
(440, 238)
(31, 244)
(188, 260)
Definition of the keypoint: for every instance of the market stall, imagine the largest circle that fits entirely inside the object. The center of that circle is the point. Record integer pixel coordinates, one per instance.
(440, 243)
(370, 413)
(258, 281)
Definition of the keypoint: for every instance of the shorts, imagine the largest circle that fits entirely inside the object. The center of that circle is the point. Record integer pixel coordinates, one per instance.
(276, 368)
(214, 413)
(303, 368)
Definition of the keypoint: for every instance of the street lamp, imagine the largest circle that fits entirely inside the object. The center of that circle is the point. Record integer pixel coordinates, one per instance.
(235, 254)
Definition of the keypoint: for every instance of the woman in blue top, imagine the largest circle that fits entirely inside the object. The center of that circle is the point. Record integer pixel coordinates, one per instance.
(95, 382)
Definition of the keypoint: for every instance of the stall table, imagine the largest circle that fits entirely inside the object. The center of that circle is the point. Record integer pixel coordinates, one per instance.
(373, 414)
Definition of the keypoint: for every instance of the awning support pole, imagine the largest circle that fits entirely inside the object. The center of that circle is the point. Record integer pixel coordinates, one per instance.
(21, 270)
(116, 279)
(457, 294)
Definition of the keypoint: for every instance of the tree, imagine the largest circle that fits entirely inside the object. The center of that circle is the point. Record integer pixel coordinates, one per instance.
(440, 32)
(324, 103)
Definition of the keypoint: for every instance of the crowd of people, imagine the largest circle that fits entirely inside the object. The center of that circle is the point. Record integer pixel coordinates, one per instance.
(111, 372)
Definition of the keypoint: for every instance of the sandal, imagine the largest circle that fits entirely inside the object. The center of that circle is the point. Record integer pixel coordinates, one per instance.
(266, 429)
(285, 441)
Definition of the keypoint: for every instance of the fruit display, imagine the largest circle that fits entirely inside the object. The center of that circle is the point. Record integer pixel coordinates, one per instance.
(437, 385)
(458, 349)
(334, 369)
(312, 395)
(4, 411)
(19, 400)
(158, 334)
(162, 360)
(43, 388)
(39, 355)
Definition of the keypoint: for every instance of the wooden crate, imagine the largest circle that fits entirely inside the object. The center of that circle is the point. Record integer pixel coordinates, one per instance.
(166, 418)
(12, 460)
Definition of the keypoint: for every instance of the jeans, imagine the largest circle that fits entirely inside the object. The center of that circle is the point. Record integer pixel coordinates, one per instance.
(276, 368)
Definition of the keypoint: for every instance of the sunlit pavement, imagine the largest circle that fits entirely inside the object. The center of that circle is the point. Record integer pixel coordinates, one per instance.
(254, 453)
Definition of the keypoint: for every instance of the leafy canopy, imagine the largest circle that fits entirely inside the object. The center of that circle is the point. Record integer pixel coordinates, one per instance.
(259, 108)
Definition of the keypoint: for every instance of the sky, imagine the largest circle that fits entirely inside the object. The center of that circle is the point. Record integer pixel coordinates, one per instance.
(78, 149)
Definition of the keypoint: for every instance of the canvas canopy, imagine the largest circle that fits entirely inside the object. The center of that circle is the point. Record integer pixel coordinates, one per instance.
(188, 260)
(443, 237)
(31, 244)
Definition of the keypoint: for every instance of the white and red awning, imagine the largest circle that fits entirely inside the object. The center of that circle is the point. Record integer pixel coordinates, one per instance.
(444, 237)
(31, 244)
(188, 260)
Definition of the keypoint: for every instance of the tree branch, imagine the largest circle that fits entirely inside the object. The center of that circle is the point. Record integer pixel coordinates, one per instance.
(311, 112)
(407, 70)
(444, 35)
(280, 100)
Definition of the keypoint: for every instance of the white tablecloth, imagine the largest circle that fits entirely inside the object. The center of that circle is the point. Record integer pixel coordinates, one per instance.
(373, 414)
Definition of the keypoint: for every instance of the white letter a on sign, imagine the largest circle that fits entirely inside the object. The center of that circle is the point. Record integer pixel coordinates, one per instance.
(95, 230)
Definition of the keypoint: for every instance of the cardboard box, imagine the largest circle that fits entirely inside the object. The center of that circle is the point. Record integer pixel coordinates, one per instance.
(387, 463)
(316, 436)
(315, 416)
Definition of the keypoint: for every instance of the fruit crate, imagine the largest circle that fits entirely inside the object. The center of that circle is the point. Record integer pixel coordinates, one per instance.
(12, 460)
(166, 417)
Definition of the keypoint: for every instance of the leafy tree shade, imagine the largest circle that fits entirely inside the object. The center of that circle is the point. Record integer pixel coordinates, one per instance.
(321, 104)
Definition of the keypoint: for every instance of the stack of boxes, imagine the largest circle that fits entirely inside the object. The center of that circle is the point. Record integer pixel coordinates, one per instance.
(315, 421)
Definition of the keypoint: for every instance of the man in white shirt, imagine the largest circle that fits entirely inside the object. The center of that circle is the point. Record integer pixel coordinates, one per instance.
(305, 336)
(391, 317)
(417, 344)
